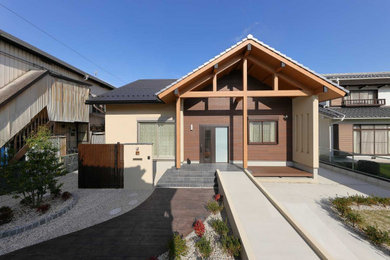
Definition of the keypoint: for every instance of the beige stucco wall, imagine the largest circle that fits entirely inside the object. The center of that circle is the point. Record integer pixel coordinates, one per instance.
(138, 169)
(305, 131)
(121, 126)
(324, 132)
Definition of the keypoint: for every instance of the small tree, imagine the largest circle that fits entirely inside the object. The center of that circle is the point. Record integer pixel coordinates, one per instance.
(39, 172)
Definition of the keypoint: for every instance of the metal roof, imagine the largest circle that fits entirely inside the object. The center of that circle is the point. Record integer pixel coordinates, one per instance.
(28, 47)
(250, 37)
(140, 91)
(360, 112)
(330, 112)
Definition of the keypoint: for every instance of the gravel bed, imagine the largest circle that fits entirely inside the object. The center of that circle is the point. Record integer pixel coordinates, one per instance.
(94, 206)
(218, 252)
(24, 214)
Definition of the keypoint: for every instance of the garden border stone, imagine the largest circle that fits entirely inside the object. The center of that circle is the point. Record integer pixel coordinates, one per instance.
(41, 221)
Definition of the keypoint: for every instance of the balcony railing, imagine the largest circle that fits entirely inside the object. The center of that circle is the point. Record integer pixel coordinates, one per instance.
(364, 102)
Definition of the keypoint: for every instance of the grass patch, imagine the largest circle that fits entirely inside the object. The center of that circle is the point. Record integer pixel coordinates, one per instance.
(214, 206)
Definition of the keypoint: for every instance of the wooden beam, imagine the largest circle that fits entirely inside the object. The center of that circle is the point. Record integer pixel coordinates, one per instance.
(215, 83)
(282, 66)
(261, 64)
(245, 114)
(198, 83)
(249, 93)
(178, 108)
(293, 82)
(229, 64)
(276, 83)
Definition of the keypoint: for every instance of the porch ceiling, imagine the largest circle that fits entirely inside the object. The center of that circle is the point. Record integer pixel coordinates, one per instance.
(264, 64)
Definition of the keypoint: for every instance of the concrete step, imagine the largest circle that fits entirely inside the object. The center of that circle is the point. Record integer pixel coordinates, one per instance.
(187, 179)
(186, 185)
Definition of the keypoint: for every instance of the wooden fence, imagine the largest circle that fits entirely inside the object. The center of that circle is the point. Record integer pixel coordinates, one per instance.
(101, 165)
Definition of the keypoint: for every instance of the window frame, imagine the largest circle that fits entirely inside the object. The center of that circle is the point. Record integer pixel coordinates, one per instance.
(358, 128)
(158, 157)
(264, 120)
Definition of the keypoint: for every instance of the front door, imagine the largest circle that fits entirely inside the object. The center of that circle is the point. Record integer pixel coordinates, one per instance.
(213, 144)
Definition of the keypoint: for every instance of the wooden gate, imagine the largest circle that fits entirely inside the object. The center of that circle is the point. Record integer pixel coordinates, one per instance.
(101, 165)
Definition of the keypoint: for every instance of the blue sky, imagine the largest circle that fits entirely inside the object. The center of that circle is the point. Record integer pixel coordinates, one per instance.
(167, 39)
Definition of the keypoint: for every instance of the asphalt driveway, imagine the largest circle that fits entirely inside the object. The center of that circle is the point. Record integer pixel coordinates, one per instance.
(138, 234)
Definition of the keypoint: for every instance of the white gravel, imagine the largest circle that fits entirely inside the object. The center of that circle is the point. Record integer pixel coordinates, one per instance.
(93, 207)
(217, 254)
(24, 215)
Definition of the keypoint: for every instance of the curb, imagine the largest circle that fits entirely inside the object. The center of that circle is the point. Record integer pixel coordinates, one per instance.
(317, 248)
(39, 222)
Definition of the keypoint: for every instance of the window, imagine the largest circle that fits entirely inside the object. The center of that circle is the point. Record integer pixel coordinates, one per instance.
(371, 139)
(262, 132)
(161, 135)
(362, 94)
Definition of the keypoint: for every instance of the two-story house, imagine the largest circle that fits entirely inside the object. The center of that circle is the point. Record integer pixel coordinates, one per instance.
(36, 89)
(360, 121)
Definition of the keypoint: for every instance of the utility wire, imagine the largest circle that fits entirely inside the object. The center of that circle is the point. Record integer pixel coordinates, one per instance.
(60, 42)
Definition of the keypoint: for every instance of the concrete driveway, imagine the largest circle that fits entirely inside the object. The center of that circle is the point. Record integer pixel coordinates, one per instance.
(309, 206)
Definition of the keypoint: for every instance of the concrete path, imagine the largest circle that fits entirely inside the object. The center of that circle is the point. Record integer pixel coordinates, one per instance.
(267, 234)
(138, 234)
(309, 206)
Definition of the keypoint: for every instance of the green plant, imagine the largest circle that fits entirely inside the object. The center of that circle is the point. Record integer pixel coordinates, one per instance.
(376, 236)
(6, 215)
(55, 189)
(341, 204)
(40, 171)
(231, 245)
(204, 247)
(177, 246)
(214, 207)
(354, 218)
(220, 227)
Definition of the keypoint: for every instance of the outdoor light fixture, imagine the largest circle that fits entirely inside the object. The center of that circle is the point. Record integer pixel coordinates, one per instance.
(285, 117)
(137, 151)
(324, 89)
(191, 127)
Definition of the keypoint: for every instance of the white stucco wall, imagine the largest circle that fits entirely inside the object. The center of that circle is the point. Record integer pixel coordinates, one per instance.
(384, 92)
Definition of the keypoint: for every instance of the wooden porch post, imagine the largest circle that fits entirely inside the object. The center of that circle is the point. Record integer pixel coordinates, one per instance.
(178, 130)
(245, 114)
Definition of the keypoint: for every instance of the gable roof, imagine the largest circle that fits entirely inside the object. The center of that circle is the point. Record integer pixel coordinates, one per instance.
(34, 50)
(140, 91)
(249, 38)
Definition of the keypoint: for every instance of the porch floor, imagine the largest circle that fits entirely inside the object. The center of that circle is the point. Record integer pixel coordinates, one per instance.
(278, 171)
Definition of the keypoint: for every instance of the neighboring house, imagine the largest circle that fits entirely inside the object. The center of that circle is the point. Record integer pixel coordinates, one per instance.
(249, 105)
(360, 121)
(39, 89)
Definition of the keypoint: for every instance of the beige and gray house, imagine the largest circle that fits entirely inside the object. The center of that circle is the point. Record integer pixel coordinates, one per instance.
(250, 105)
(36, 89)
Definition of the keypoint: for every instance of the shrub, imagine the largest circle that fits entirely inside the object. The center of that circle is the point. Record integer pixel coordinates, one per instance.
(204, 247)
(199, 228)
(6, 215)
(40, 171)
(368, 167)
(354, 218)
(55, 190)
(220, 227)
(66, 195)
(231, 245)
(177, 246)
(214, 207)
(26, 201)
(43, 208)
(342, 205)
(376, 236)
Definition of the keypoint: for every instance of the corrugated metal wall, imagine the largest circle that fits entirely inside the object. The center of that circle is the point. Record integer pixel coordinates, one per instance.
(65, 102)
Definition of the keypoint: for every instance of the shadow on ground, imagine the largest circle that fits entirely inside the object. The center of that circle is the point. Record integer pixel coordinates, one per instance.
(139, 234)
